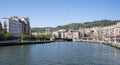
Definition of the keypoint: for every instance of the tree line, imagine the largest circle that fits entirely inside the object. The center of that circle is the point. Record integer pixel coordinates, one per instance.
(6, 36)
(34, 37)
(9, 36)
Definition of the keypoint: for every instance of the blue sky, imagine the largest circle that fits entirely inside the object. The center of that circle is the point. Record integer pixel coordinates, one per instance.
(51, 13)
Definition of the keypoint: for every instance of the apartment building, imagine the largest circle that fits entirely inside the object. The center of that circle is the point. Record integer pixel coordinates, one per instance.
(64, 34)
(25, 25)
(44, 32)
(103, 32)
(12, 26)
(59, 34)
(72, 35)
(16, 26)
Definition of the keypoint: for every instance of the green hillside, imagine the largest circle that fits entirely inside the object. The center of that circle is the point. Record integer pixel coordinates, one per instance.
(80, 25)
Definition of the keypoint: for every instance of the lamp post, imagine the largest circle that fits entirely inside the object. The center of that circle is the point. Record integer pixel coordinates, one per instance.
(22, 37)
(115, 37)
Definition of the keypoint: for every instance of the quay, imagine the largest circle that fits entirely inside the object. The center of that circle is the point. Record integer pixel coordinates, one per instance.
(11, 43)
(112, 44)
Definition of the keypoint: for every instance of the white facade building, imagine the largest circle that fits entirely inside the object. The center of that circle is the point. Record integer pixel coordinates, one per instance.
(25, 25)
(12, 26)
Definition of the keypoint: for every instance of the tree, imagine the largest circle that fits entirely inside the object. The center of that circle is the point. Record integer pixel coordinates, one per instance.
(40, 37)
(19, 37)
(26, 37)
(8, 36)
(33, 37)
(1, 36)
(48, 36)
(43, 37)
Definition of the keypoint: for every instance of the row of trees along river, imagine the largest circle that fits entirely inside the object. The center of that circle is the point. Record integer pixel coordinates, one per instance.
(9, 36)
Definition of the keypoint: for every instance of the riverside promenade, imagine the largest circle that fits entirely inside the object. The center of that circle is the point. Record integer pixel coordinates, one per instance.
(26, 42)
(109, 43)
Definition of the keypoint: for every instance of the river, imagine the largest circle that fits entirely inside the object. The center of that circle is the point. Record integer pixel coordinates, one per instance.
(60, 53)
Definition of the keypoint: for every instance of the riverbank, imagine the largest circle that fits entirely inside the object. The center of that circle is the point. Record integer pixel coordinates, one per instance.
(11, 43)
(112, 44)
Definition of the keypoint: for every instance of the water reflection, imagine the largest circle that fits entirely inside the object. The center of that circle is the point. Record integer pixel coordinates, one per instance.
(12, 55)
(60, 53)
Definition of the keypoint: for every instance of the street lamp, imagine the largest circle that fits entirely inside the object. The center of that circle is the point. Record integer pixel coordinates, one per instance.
(115, 37)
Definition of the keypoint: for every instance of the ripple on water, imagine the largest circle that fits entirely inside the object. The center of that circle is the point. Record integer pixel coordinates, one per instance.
(60, 53)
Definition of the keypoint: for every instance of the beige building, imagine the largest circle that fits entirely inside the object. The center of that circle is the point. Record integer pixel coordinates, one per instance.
(59, 34)
(109, 31)
(46, 32)
(64, 34)
(76, 34)
(104, 32)
(68, 35)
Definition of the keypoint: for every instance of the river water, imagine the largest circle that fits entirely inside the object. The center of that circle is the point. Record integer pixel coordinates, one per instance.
(60, 53)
